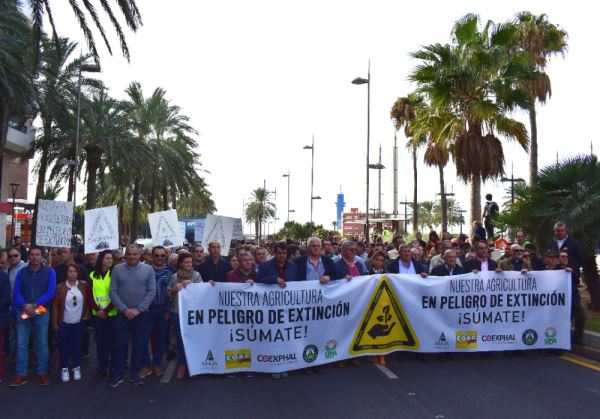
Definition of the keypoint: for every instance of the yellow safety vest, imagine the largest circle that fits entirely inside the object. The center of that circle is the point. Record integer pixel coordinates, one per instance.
(100, 291)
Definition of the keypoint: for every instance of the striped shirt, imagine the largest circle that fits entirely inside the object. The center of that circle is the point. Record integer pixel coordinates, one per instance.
(314, 273)
(162, 280)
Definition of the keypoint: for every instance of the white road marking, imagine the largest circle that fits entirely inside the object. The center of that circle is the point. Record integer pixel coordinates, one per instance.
(169, 372)
(386, 371)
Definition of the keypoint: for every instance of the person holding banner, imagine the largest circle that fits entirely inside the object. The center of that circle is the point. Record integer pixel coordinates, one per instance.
(103, 311)
(278, 270)
(450, 266)
(405, 264)
(515, 262)
(245, 272)
(316, 266)
(482, 261)
(377, 263)
(185, 275)
(215, 267)
(132, 289)
(347, 266)
(70, 310)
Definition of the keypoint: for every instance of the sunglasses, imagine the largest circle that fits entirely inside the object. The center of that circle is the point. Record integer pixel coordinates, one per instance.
(159, 256)
(14, 256)
(74, 300)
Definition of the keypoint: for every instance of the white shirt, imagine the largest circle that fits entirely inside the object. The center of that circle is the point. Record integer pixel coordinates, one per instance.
(484, 265)
(73, 312)
(560, 242)
(406, 270)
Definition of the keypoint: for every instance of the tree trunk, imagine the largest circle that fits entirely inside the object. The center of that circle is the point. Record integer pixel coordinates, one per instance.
(71, 183)
(121, 216)
(173, 197)
(135, 209)
(41, 181)
(443, 200)
(257, 230)
(533, 146)
(93, 162)
(165, 199)
(415, 188)
(475, 200)
(152, 197)
(590, 277)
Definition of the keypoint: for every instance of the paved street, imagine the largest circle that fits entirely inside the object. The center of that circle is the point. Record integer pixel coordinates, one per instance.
(522, 385)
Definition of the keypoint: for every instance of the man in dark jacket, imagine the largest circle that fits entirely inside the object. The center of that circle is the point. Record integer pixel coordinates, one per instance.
(449, 267)
(564, 242)
(4, 315)
(215, 267)
(481, 261)
(278, 270)
(315, 266)
(406, 264)
(347, 266)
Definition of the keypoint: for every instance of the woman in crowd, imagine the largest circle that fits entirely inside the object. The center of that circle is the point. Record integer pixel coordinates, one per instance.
(185, 275)
(377, 263)
(69, 312)
(234, 262)
(103, 311)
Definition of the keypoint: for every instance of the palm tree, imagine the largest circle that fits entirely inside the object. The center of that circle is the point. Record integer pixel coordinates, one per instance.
(541, 39)
(568, 191)
(452, 212)
(403, 113)
(260, 209)
(428, 216)
(128, 9)
(473, 80)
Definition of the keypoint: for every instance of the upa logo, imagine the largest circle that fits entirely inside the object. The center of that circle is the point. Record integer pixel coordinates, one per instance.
(550, 335)
(442, 343)
(466, 339)
(209, 361)
(310, 353)
(238, 358)
(330, 349)
(529, 337)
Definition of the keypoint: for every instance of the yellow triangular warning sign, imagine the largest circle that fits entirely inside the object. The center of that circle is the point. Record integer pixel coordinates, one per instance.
(384, 325)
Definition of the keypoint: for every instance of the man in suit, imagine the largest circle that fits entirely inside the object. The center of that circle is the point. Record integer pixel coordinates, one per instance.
(347, 266)
(405, 264)
(481, 261)
(449, 267)
(515, 262)
(564, 242)
(278, 270)
(315, 266)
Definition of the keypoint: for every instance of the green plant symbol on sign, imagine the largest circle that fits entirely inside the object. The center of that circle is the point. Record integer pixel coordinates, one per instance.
(383, 328)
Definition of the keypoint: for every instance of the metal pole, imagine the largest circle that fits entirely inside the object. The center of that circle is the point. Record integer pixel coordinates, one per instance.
(14, 220)
(312, 177)
(76, 159)
(368, 148)
(288, 207)
(396, 178)
(379, 184)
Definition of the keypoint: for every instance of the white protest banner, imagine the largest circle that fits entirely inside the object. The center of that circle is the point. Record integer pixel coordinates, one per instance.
(101, 229)
(54, 223)
(199, 229)
(164, 228)
(218, 228)
(238, 327)
(238, 229)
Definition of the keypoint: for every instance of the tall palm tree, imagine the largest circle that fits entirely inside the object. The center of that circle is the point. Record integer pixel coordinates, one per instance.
(541, 39)
(128, 9)
(474, 79)
(427, 215)
(260, 209)
(403, 113)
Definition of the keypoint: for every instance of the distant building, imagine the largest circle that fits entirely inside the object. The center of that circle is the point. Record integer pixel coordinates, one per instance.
(353, 223)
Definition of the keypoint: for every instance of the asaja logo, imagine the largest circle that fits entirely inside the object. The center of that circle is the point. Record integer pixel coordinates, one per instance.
(310, 353)
(209, 362)
(330, 349)
(550, 335)
(238, 358)
(466, 339)
(442, 343)
(529, 337)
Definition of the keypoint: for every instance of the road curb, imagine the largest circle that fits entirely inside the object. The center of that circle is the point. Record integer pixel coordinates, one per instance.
(591, 346)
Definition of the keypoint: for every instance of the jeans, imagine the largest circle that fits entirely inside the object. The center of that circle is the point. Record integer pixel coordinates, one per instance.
(181, 360)
(70, 336)
(104, 330)
(137, 328)
(38, 326)
(156, 319)
(10, 337)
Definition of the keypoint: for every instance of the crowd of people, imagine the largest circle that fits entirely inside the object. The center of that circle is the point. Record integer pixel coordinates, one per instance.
(128, 297)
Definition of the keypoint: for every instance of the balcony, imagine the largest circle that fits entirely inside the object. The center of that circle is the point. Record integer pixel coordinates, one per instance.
(20, 136)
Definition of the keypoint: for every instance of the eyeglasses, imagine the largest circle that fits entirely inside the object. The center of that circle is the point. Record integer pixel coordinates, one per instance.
(526, 255)
(14, 256)
(159, 256)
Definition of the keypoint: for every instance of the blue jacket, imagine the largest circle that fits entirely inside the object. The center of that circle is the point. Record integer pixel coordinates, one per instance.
(34, 287)
(342, 268)
(267, 272)
(4, 300)
(327, 264)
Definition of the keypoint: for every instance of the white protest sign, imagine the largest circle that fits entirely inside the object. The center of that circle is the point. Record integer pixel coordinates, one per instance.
(238, 229)
(54, 223)
(266, 328)
(199, 229)
(165, 230)
(218, 228)
(101, 229)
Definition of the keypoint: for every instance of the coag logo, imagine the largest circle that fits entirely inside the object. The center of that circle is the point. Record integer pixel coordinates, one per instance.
(550, 335)
(330, 349)
(529, 337)
(238, 358)
(466, 340)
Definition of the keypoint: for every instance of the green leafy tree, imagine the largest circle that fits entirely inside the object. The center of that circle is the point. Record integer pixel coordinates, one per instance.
(260, 209)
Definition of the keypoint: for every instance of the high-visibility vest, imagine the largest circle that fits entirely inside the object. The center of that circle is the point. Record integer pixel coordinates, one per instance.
(100, 291)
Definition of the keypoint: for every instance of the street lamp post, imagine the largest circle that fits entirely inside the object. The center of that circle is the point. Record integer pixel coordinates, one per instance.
(312, 173)
(89, 68)
(14, 187)
(405, 203)
(287, 175)
(367, 81)
(512, 181)
(379, 167)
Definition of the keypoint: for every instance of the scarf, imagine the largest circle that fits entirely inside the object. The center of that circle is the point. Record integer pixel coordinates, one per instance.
(185, 275)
